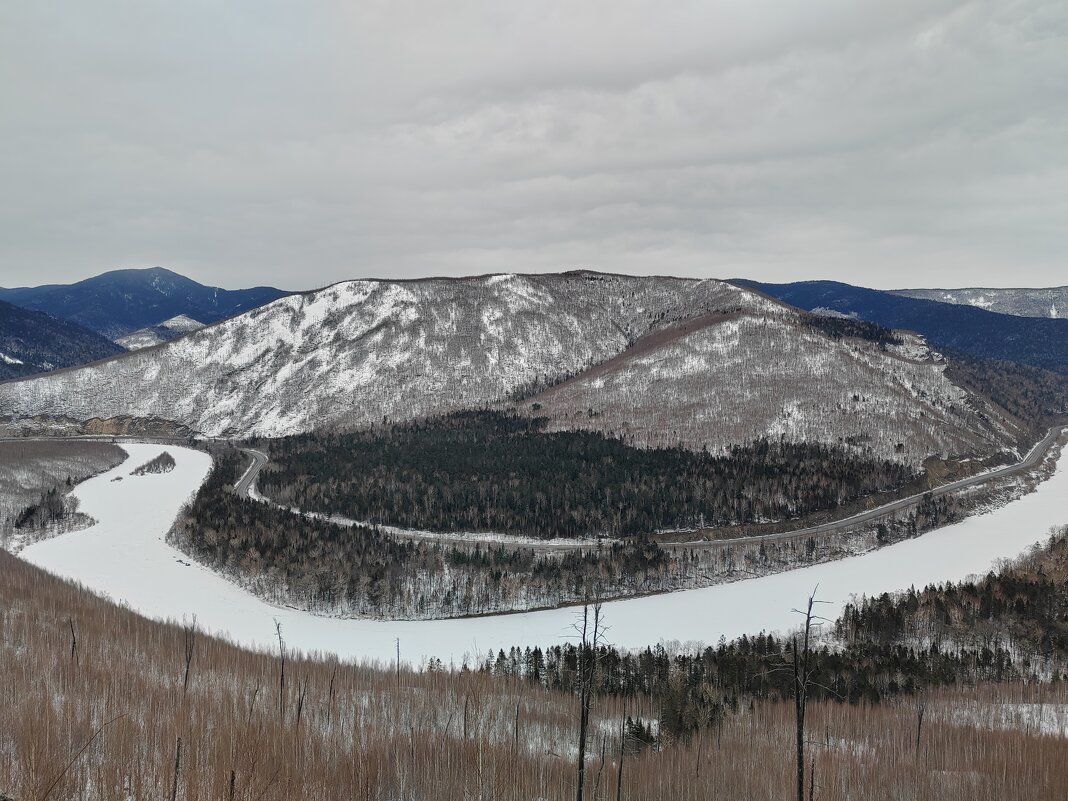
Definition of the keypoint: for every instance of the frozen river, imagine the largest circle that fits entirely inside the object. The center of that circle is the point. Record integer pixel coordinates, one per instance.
(124, 556)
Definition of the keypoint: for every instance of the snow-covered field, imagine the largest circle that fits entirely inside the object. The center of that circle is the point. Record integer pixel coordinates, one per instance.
(125, 556)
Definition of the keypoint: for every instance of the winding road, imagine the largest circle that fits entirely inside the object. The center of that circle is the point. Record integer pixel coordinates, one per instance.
(1034, 457)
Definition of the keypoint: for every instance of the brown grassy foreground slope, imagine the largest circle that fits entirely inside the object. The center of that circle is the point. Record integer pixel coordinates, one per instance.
(318, 729)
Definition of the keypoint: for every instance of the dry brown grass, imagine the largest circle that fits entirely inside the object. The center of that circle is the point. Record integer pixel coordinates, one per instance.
(374, 733)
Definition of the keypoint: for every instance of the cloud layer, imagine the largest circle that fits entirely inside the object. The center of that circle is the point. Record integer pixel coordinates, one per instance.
(920, 142)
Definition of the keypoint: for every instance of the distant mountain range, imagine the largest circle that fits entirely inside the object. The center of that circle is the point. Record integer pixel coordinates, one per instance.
(1040, 342)
(33, 342)
(663, 361)
(120, 302)
(1049, 302)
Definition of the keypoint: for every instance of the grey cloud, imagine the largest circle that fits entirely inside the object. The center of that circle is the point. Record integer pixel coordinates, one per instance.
(297, 144)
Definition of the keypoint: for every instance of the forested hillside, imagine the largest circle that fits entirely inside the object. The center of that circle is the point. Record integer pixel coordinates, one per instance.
(33, 342)
(489, 471)
(1036, 398)
(979, 333)
(664, 361)
(1036, 302)
(359, 571)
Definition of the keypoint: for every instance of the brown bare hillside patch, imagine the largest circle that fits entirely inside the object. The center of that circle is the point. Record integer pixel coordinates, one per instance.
(75, 666)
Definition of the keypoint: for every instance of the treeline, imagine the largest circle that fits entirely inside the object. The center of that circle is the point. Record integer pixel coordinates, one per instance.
(359, 570)
(1010, 625)
(1023, 608)
(695, 691)
(53, 507)
(841, 327)
(489, 471)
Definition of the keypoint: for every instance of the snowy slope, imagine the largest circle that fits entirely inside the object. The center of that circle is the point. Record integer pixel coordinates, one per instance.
(704, 363)
(158, 334)
(1048, 302)
(363, 350)
(126, 557)
(747, 376)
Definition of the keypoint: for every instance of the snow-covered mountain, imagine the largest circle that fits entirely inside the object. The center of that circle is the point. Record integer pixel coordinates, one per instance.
(699, 361)
(1048, 302)
(157, 334)
(729, 379)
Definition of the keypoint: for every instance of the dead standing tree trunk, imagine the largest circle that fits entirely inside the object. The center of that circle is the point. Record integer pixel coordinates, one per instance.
(73, 641)
(804, 669)
(587, 662)
(189, 644)
(281, 672)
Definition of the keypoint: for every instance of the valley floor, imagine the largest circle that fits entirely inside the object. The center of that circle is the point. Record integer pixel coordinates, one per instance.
(125, 557)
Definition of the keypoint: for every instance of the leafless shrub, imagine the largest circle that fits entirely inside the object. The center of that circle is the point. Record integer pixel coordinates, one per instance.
(373, 732)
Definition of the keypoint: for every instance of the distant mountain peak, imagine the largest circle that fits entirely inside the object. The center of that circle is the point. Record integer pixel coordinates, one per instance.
(119, 302)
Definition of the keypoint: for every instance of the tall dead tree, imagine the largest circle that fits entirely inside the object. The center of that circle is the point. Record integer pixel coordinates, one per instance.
(804, 668)
(189, 644)
(73, 641)
(587, 663)
(921, 707)
(177, 768)
(281, 671)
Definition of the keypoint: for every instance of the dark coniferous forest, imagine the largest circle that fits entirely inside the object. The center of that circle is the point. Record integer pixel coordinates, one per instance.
(358, 570)
(489, 471)
(1009, 625)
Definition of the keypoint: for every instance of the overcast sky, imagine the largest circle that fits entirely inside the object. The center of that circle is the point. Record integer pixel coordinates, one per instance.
(903, 143)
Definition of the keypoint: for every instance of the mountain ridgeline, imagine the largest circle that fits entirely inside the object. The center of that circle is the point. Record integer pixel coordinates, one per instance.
(975, 331)
(120, 302)
(661, 362)
(1046, 302)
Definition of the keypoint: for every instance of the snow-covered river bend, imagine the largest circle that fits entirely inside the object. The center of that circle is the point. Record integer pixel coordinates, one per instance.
(125, 557)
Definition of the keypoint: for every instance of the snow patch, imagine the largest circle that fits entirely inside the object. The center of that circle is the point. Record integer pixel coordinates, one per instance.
(125, 555)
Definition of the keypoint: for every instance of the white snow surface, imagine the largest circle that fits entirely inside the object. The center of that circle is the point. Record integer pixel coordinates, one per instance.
(125, 556)
(183, 323)
(359, 351)
(144, 338)
(751, 377)
(1035, 718)
(9, 359)
(1041, 302)
(160, 333)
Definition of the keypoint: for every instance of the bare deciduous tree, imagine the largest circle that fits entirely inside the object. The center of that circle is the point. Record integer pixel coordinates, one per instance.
(804, 669)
